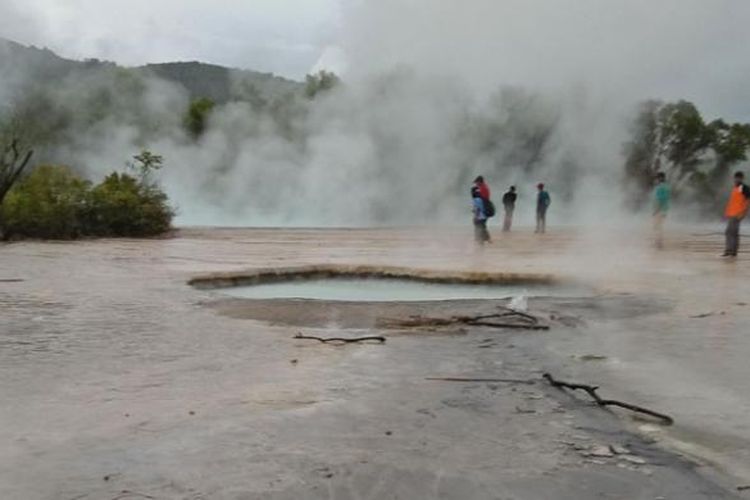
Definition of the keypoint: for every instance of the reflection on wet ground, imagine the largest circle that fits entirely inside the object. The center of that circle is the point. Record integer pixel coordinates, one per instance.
(110, 365)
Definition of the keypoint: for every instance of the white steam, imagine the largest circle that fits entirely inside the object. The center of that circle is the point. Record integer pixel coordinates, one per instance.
(395, 143)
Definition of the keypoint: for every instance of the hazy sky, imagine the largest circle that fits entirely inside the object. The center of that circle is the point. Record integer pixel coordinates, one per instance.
(614, 49)
(283, 36)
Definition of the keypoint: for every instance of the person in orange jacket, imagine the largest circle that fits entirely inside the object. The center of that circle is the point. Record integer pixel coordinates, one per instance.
(739, 202)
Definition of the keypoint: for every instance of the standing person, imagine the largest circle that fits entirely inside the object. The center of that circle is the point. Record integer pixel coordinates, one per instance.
(509, 203)
(662, 197)
(481, 235)
(543, 202)
(739, 202)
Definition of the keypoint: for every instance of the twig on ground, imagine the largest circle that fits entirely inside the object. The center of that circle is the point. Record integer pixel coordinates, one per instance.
(489, 380)
(591, 391)
(340, 340)
(524, 321)
(508, 325)
(707, 315)
(515, 312)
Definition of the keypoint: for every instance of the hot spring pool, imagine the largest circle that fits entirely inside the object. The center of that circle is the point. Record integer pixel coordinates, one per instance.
(389, 290)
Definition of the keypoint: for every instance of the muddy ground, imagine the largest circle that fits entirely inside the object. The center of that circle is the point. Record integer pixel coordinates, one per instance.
(120, 381)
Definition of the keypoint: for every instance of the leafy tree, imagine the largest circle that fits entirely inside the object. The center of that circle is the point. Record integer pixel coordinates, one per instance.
(321, 82)
(683, 139)
(671, 137)
(730, 143)
(196, 119)
(145, 164)
(696, 156)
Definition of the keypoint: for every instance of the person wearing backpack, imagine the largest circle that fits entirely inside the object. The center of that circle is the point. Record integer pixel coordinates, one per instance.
(543, 202)
(484, 194)
(481, 235)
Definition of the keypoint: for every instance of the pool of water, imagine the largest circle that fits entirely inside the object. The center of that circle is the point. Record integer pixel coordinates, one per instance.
(387, 290)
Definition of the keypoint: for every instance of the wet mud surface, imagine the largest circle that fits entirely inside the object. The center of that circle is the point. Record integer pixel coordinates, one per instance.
(120, 381)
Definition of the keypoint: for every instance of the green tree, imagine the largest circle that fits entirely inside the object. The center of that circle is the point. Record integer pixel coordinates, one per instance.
(196, 118)
(145, 164)
(321, 82)
(696, 156)
(683, 139)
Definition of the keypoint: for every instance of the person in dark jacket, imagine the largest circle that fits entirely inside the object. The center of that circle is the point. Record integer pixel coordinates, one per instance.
(509, 204)
(543, 202)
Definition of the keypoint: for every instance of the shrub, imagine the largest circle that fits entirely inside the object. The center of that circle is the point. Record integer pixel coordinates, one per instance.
(46, 204)
(53, 202)
(124, 206)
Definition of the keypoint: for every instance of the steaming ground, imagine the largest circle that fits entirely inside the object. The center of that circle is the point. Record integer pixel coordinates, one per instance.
(119, 380)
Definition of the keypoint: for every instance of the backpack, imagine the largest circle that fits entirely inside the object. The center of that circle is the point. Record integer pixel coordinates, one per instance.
(489, 208)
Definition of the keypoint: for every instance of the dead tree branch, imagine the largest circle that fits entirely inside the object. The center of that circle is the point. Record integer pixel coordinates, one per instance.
(12, 164)
(509, 319)
(340, 340)
(591, 391)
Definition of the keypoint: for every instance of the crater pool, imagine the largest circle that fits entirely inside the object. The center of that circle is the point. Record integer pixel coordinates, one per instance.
(392, 290)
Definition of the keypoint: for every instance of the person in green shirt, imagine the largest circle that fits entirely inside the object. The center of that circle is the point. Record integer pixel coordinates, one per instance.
(662, 197)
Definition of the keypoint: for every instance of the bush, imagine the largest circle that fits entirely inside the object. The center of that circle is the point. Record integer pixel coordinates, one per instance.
(124, 206)
(53, 202)
(46, 204)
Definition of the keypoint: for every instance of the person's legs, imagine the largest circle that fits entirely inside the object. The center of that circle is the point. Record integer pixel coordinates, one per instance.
(485, 232)
(543, 220)
(732, 237)
(737, 238)
(538, 221)
(659, 229)
(508, 222)
(478, 236)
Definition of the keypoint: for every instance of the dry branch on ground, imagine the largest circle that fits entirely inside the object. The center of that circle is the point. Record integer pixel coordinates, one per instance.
(341, 340)
(591, 391)
(509, 319)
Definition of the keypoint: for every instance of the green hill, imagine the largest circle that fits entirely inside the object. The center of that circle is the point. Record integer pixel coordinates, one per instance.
(20, 64)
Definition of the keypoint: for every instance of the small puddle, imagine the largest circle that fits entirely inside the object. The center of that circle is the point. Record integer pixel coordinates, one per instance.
(391, 290)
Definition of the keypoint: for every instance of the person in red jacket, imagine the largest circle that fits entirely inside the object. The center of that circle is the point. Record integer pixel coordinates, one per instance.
(484, 189)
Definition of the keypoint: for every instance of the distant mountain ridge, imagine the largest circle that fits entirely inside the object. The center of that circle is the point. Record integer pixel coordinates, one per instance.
(219, 83)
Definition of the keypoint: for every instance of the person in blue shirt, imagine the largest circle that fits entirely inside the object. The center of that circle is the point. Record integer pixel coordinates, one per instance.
(481, 235)
(543, 202)
(662, 198)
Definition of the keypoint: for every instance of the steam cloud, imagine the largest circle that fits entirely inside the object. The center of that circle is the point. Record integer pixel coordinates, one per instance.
(395, 144)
